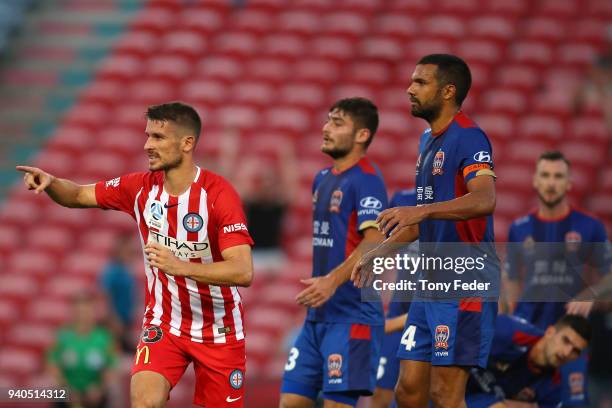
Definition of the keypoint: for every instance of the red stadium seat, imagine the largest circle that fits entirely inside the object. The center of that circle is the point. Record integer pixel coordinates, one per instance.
(508, 101)
(321, 71)
(222, 67)
(385, 48)
(22, 286)
(272, 70)
(559, 9)
(332, 47)
(536, 53)
(19, 360)
(541, 127)
(587, 128)
(88, 116)
(398, 25)
(137, 44)
(121, 140)
(344, 23)
(579, 54)
(36, 263)
(56, 161)
(498, 28)
(151, 91)
(84, 264)
(283, 45)
(480, 51)
(253, 93)
(443, 26)
(298, 21)
(50, 310)
(525, 150)
(589, 155)
(241, 116)
(57, 239)
(205, 91)
(407, 7)
(418, 48)
(287, 118)
(350, 90)
(543, 29)
(155, 20)
(369, 72)
(519, 77)
(508, 8)
(203, 20)
(254, 20)
(169, 67)
(238, 43)
(71, 139)
(103, 91)
(189, 44)
(600, 203)
(591, 30)
(305, 95)
(514, 176)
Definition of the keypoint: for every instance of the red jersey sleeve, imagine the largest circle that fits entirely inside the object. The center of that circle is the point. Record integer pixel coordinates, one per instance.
(230, 219)
(119, 193)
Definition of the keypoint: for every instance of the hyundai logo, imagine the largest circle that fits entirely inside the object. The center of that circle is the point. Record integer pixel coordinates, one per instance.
(370, 202)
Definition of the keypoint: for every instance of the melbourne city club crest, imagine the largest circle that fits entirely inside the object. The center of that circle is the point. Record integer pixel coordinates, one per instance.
(438, 163)
(441, 336)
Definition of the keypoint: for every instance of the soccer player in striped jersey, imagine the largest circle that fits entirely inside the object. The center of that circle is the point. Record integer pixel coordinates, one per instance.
(197, 251)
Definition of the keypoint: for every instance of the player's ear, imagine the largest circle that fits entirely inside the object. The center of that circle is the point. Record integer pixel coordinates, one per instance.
(550, 331)
(363, 135)
(449, 91)
(188, 143)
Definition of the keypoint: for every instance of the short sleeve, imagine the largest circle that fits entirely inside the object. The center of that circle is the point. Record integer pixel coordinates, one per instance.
(513, 261)
(370, 200)
(475, 156)
(230, 219)
(119, 193)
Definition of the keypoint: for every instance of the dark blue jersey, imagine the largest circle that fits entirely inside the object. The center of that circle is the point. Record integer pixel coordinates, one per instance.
(550, 257)
(447, 162)
(509, 374)
(400, 304)
(508, 371)
(345, 204)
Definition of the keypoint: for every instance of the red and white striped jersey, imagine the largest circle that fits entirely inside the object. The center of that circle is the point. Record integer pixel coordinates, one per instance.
(196, 226)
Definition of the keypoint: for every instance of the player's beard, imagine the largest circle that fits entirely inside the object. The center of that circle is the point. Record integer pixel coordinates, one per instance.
(551, 203)
(338, 151)
(176, 162)
(429, 111)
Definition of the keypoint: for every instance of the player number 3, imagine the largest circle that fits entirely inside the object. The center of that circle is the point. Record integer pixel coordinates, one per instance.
(408, 337)
(293, 355)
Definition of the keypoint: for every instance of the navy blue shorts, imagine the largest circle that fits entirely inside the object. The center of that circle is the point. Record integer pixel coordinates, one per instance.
(339, 359)
(449, 333)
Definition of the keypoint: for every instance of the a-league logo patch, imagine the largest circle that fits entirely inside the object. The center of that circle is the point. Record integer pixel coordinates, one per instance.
(152, 334)
(438, 163)
(336, 200)
(334, 365)
(193, 222)
(236, 378)
(441, 337)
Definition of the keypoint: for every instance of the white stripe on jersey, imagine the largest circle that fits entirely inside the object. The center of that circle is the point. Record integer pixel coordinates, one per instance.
(215, 292)
(157, 308)
(236, 314)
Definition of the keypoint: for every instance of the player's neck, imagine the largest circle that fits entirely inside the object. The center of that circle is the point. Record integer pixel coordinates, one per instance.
(447, 114)
(179, 179)
(553, 213)
(536, 358)
(344, 163)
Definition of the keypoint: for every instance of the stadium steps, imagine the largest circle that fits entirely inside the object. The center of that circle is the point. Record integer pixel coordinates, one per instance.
(55, 55)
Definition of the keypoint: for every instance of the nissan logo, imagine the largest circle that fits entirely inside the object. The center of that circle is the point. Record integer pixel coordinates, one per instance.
(370, 202)
(482, 156)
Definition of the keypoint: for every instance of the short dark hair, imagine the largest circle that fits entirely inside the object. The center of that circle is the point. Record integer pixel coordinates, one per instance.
(579, 323)
(363, 112)
(178, 112)
(553, 155)
(451, 70)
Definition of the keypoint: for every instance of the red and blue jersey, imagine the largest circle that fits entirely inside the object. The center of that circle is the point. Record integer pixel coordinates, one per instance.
(510, 374)
(345, 204)
(448, 160)
(550, 257)
(400, 302)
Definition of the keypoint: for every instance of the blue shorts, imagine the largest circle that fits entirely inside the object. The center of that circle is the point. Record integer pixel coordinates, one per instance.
(449, 333)
(339, 359)
(388, 366)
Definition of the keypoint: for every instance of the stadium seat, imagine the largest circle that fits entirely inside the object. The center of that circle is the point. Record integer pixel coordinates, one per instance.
(536, 127)
(322, 71)
(204, 21)
(57, 239)
(519, 77)
(337, 48)
(547, 29)
(121, 140)
(33, 336)
(237, 43)
(254, 93)
(271, 70)
(577, 54)
(283, 45)
(348, 23)
(306, 95)
(204, 91)
(19, 360)
(369, 72)
(188, 44)
(507, 8)
(299, 22)
(237, 116)
(252, 19)
(508, 101)
(535, 53)
(491, 27)
(443, 26)
(221, 67)
(497, 126)
(480, 51)
(49, 310)
(402, 26)
(154, 19)
(71, 140)
(136, 44)
(384, 48)
(287, 118)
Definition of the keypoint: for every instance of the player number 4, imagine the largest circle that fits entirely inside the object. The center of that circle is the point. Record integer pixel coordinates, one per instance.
(408, 337)
(293, 355)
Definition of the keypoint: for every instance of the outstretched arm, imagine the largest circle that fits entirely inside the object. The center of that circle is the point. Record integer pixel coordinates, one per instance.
(62, 191)
(478, 202)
